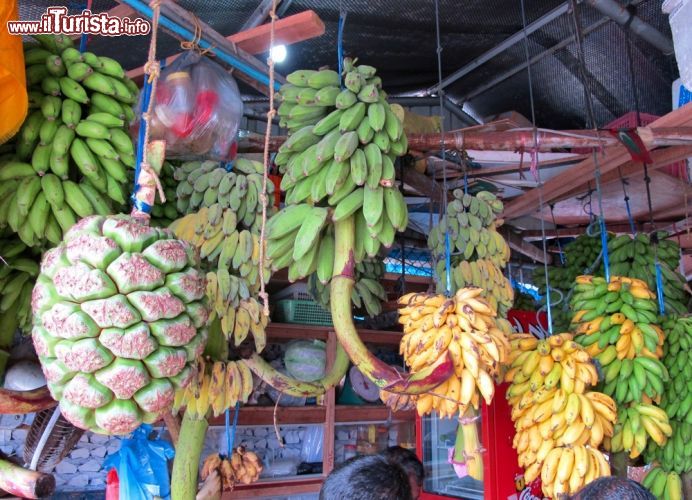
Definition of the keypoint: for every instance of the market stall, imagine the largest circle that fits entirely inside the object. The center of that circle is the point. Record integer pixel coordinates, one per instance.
(224, 277)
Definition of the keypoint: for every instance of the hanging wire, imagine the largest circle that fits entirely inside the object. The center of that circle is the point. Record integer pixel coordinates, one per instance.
(537, 173)
(592, 124)
(340, 46)
(443, 208)
(633, 228)
(557, 234)
(647, 180)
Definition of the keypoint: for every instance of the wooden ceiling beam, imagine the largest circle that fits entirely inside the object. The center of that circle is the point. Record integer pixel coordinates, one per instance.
(610, 160)
(519, 244)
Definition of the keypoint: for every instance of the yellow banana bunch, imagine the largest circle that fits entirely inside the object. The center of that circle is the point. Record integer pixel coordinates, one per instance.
(566, 470)
(664, 485)
(398, 402)
(547, 363)
(463, 327)
(552, 410)
(215, 387)
(638, 423)
(242, 467)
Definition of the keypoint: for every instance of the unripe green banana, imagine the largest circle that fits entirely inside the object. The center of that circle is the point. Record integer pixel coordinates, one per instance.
(50, 107)
(95, 198)
(75, 199)
(359, 167)
(114, 168)
(26, 193)
(99, 83)
(345, 146)
(84, 159)
(111, 67)
(345, 99)
(71, 113)
(40, 159)
(36, 55)
(15, 170)
(71, 55)
(351, 118)
(377, 116)
(79, 71)
(73, 90)
(323, 78)
(50, 86)
(107, 104)
(38, 215)
(106, 119)
(52, 188)
(93, 130)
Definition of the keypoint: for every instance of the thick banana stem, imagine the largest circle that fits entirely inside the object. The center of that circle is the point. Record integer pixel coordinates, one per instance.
(380, 373)
(25, 483)
(293, 387)
(20, 402)
(187, 456)
(470, 445)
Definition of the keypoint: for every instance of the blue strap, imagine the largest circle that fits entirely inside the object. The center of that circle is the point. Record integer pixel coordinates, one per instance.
(659, 287)
(228, 165)
(340, 46)
(83, 39)
(230, 431)
(604, 246)
(448, 264)
(146, 96)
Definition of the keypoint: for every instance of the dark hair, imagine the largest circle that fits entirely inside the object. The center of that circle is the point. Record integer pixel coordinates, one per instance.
(366, 478)
(613, 488)
(407, 460)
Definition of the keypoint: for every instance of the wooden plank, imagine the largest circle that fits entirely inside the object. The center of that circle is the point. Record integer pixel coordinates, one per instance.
(301, 26)
(264, 415)
(518, 244)
(583, 172)
(425, 185)
(292, 29)
(346, 413)
(330, 417)
(277, 488)
(287, 331)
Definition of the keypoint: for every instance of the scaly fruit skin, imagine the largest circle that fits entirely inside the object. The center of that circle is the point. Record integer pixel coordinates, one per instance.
(82, 315)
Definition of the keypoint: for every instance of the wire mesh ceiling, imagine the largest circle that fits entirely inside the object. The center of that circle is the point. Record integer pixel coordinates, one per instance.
(399, 39)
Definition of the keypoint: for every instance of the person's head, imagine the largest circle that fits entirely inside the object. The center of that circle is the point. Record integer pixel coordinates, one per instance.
(370, 477)
(410, 463)
(613, 488)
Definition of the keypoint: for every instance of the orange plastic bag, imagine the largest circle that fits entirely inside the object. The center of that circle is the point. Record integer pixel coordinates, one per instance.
(13, 97)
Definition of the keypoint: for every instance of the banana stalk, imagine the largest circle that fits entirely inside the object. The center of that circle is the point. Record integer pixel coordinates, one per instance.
(381, 374)
(469, 447)
(187, 457)
(20, 402)
(293, 387)
(25, 483)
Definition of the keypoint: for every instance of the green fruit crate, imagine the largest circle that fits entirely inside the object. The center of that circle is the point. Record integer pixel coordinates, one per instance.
(305, 312)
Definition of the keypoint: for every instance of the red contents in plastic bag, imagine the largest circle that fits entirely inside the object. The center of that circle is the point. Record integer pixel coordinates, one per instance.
(232, 151)
(183, 125)
(112, 485)
(205, 106)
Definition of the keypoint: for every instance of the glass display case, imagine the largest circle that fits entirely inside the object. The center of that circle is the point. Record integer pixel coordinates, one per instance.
(451, 471)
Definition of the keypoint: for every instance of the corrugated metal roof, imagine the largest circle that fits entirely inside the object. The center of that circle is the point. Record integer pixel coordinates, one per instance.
(399, 39)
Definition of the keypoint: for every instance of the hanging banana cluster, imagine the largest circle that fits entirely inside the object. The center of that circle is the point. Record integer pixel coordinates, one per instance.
(163, 214)
(367, 293)
(636, 257)
(227, 248)
(216, 386)
(616, 323)
(664, 486)
(559, 423)
(398, 402)
(675, 456)
(18, 272)
(462, 327)
(582, 256)
(73, 155)
(677, 352)
(243, 466)
(204, 184)
(338, 162)
(479, 253)
(635, 424)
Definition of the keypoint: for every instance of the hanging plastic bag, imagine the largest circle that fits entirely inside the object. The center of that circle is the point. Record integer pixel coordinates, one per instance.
(312, 444)
(197, 109)
(142, 466)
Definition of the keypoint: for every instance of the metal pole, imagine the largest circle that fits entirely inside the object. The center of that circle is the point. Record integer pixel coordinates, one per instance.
(229, 59)
(515, 38)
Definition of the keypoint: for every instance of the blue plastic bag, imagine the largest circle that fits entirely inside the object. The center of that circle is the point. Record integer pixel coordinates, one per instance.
(142, 466)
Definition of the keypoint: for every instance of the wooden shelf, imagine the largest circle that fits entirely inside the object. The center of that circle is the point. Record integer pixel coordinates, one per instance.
(287, 331)
(296, 415)
(281, 487)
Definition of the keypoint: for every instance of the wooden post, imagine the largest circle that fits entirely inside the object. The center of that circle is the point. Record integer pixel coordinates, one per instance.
(330, 413)
(25, 483)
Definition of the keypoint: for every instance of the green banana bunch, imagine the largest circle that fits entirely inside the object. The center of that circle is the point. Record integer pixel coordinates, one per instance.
(472, 226)
(18, 274)
(367, 294)
(635, 257)
(338, 162)
(664, 486)
(73, 156)
(676, 454)
(163, 214)
(203, 184)
(677, 398)
(636, 425)
(524, 302)
(617, 324)
(479, 252)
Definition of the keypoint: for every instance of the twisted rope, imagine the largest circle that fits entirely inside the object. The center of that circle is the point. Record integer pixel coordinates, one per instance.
(267, 134)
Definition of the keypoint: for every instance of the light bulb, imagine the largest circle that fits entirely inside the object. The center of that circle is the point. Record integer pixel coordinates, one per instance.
(278, 53)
